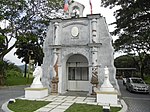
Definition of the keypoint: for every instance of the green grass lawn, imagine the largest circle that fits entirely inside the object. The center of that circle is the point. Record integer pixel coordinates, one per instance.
(76, 107)
(26, 105)
(11, 81)
(31, 106)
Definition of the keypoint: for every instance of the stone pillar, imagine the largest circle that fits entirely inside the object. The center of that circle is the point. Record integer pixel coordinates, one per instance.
(56, 33)
(94, 79)
(94, 31)
(94, 51)
(59, 71)
(55, 78)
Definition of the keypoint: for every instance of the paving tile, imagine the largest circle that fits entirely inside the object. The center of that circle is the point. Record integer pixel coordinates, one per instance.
(44, 109)
(78, 100)
(90, 98)
(51, 96)
(57, 110)
(62, 96)
(67, 104)
(55, 103)
(70, 97)
(51, 106)
(80, 97)
(60, 100)
(50, 100)
(64, 107)
(69, 101)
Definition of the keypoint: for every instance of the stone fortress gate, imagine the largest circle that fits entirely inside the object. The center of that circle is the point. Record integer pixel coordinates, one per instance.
(76, 50)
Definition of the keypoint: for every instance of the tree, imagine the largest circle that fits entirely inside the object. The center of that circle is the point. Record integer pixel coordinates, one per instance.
(24, 18)
(124, 61)
(11, 13)
(132, 27)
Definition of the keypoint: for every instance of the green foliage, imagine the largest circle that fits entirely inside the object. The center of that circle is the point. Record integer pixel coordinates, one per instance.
(13, 73)
(142, 64)
(124, 61)
(76, 107)
(55, 4)
(30, 51)
(13, 81)
(26, 105)
(132, 24)
(147, 79)
(132, 27)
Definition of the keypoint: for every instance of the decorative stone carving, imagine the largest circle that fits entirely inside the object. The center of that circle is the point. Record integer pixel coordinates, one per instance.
(55, 78)
(37, 74)
(74, 31)
(36, 90)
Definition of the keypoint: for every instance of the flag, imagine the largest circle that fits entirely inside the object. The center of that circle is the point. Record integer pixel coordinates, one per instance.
(90, 6)
(66, 5)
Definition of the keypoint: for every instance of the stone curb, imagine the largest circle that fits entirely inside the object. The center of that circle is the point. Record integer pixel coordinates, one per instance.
(5, 108)
(13, 86)
(124, 106)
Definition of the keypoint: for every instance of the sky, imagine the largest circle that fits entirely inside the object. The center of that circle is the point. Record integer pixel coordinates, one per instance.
(105, 12)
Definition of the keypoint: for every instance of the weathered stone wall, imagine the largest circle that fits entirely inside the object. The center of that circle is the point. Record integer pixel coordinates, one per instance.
(68, 45)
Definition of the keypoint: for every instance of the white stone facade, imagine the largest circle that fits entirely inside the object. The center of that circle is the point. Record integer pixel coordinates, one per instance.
(82, 45)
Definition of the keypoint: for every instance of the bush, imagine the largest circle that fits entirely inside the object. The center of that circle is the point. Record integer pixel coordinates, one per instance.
(13, 73)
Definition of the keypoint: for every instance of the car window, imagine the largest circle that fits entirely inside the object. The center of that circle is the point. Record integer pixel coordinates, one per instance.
(137, 81)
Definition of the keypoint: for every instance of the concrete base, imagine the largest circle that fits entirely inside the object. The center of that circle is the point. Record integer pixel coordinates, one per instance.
(107, 98)
(35, 93)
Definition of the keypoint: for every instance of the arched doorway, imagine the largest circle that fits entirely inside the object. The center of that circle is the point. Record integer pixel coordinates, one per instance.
(77, 73)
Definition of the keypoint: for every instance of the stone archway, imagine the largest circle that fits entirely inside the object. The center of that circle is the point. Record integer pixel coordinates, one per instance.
(77, 73)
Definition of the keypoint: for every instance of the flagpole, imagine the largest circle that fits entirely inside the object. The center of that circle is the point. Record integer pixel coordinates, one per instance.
(90, 6)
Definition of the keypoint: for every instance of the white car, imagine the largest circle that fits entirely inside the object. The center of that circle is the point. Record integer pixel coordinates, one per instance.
(134, 84)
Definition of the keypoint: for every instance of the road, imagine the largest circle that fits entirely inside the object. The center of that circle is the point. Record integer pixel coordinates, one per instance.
(136, 102)
(7, 93)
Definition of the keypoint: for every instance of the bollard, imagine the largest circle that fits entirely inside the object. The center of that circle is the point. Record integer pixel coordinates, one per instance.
(106, 108)
(11, 101)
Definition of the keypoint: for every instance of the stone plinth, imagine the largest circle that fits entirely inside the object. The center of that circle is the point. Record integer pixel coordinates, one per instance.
(107, 98)
(35, 93)
(55, 81)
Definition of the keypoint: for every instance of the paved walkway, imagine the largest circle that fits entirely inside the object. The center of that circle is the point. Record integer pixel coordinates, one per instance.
(61, 103)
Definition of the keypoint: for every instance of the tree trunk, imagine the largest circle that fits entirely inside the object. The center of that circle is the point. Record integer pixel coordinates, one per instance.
(25, 70)
(2, 72)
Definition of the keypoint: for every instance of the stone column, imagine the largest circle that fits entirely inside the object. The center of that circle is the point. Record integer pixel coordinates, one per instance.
(59, 71)
(94, 79)
(56, 33)
(55, 78)
(94, 51)
(94, 31)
